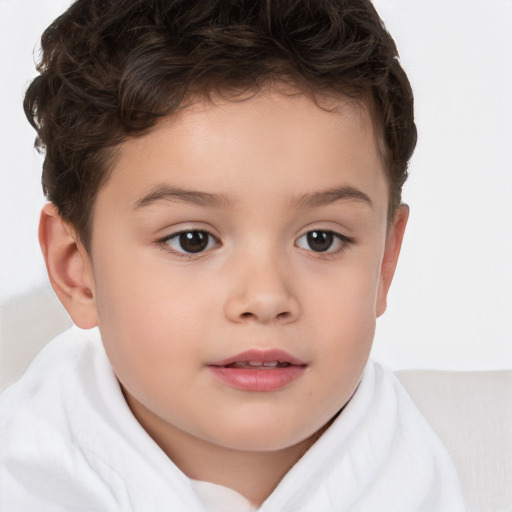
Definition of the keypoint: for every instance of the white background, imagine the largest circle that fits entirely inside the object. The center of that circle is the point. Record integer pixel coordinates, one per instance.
(450, 306)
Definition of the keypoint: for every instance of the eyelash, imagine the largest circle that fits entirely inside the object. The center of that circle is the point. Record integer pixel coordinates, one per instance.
(344, 240)
(164, 243)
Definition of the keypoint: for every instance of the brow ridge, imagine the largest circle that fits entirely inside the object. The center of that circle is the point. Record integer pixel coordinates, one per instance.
(325, 197)
(165, 192)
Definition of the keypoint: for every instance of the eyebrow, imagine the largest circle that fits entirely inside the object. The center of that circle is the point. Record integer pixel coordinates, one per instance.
(164, 192)
(325, 197)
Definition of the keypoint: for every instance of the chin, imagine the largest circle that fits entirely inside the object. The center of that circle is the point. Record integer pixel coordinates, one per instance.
(269, 436)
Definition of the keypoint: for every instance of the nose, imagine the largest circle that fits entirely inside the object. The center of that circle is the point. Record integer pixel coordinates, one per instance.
(261, 292)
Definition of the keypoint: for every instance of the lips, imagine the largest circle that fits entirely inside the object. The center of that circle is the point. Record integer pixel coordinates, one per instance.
(257, 358)
(258, 371)
(258, 365)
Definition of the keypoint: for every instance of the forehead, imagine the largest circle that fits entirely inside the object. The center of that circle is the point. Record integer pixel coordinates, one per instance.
(267, 141)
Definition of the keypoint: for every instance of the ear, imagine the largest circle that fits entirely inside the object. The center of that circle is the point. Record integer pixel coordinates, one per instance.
(391, 252)
(69, 267)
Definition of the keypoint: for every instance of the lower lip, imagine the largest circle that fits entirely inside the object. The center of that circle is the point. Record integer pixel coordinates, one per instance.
(257, 380)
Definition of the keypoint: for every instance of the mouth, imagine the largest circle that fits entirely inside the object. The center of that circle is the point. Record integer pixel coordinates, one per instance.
(258, 365)
(258, 371)
(260, 359)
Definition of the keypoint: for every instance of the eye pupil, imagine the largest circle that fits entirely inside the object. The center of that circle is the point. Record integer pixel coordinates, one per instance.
(194, 241)
(320, 241)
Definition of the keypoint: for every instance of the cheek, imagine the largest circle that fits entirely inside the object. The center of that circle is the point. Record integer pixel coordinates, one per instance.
(146, 291)
(148, 318)
(344, 298)
(345, 338)
(343, 317)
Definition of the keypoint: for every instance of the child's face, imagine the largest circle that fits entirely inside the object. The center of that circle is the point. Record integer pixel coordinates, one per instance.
(282, 210)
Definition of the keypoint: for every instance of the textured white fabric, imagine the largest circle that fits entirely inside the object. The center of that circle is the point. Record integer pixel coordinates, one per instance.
(218, 498)
(70, 443)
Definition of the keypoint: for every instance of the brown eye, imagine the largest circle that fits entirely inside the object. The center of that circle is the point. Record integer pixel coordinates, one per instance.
(191, 242)
(320, 241)
(194, 241)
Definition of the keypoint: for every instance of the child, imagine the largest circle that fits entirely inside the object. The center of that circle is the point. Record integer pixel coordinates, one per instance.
(224, 181)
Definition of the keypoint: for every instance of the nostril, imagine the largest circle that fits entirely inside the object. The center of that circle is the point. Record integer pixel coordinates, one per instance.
(280, 316)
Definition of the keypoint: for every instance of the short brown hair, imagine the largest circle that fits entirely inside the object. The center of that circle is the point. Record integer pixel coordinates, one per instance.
(111, 68)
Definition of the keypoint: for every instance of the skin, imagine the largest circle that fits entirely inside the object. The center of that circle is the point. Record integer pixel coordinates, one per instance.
(164, 315)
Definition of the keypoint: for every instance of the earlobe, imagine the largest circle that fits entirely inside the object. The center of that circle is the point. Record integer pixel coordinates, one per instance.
(390, 258)
(69, 267)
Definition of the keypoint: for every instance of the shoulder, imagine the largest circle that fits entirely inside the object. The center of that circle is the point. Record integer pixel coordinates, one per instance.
(61, 364)
(43, 417)
(37, 405)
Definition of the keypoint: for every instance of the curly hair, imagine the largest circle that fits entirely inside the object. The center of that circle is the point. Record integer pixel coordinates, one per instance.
(112, 68)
